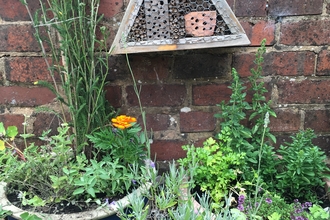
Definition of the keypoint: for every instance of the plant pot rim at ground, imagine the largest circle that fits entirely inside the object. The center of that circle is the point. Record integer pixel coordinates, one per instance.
(93, 214)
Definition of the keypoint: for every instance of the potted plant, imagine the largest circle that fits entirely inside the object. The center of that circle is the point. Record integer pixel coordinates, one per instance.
(241, 159)
(95, 157)
(50, 178)
(240, 175)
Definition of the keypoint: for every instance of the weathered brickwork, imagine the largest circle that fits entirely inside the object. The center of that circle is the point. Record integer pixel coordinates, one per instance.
(180, 90)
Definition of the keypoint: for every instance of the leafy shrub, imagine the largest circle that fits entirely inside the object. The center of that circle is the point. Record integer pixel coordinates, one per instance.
(302, 167)
(245, 121)
(266, 205)
(217, 165)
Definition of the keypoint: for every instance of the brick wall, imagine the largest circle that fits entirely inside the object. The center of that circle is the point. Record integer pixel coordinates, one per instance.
(180, 89)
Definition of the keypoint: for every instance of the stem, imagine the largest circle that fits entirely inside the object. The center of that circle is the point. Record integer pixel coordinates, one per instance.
(140, 106)
(266, 121)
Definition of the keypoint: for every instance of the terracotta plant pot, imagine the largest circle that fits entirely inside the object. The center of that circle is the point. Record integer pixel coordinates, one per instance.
(102, 213)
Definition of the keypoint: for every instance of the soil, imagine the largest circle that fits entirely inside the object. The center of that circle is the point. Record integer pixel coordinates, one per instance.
(66, 207)
(63, 207)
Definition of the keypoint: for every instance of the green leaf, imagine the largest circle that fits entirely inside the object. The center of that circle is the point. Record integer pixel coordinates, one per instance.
(12, 131)
(27, 216)
(309, 173)
(91, 191)
(272, 137)
(2, 129)
(274, 216)
(26, 135)
(38, 201)
(78, 191)
(142, 137)
(2, 145)
(306, 179)
(104, 177)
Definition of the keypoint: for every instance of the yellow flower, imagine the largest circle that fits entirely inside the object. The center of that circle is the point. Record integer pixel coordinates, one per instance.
(123, 121)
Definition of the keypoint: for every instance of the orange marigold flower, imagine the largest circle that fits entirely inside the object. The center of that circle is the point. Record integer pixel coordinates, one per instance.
(123, 121)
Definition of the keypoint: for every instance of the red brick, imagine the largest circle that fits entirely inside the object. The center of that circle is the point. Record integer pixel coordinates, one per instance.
(158, 95)
(303, 92)
(167, 150)
(305, 33)
(13, 120)
(289, 63)
(18, 38)
(287, 120)
(254, 8)
(108, 36)
(323, 63)
(231, 4)
(295, 7)
(14, 10)
(114, 95)
(150, 68)
(259, 30)
(21, 96)
(44, 122)
(111, 7)
(196, 65)
(243, 63)
(156, 122)
(282, 64)
(27, 69)
(210, 94)
(318, 120)
(282, 139)
(197, 121)
(118, 68)
(323, 141)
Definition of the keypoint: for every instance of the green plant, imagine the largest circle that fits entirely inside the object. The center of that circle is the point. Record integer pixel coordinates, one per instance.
(316, 212)
(78, 66)
(302, 167)
(51, 173)
(126, 145)
(4, 213)
(27, 216)
(266, 205)
(170, 198)
(246, 120)
(7, 137)
(217, 165)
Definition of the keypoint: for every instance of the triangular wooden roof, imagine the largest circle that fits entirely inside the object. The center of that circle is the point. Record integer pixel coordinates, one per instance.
(151, 25)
